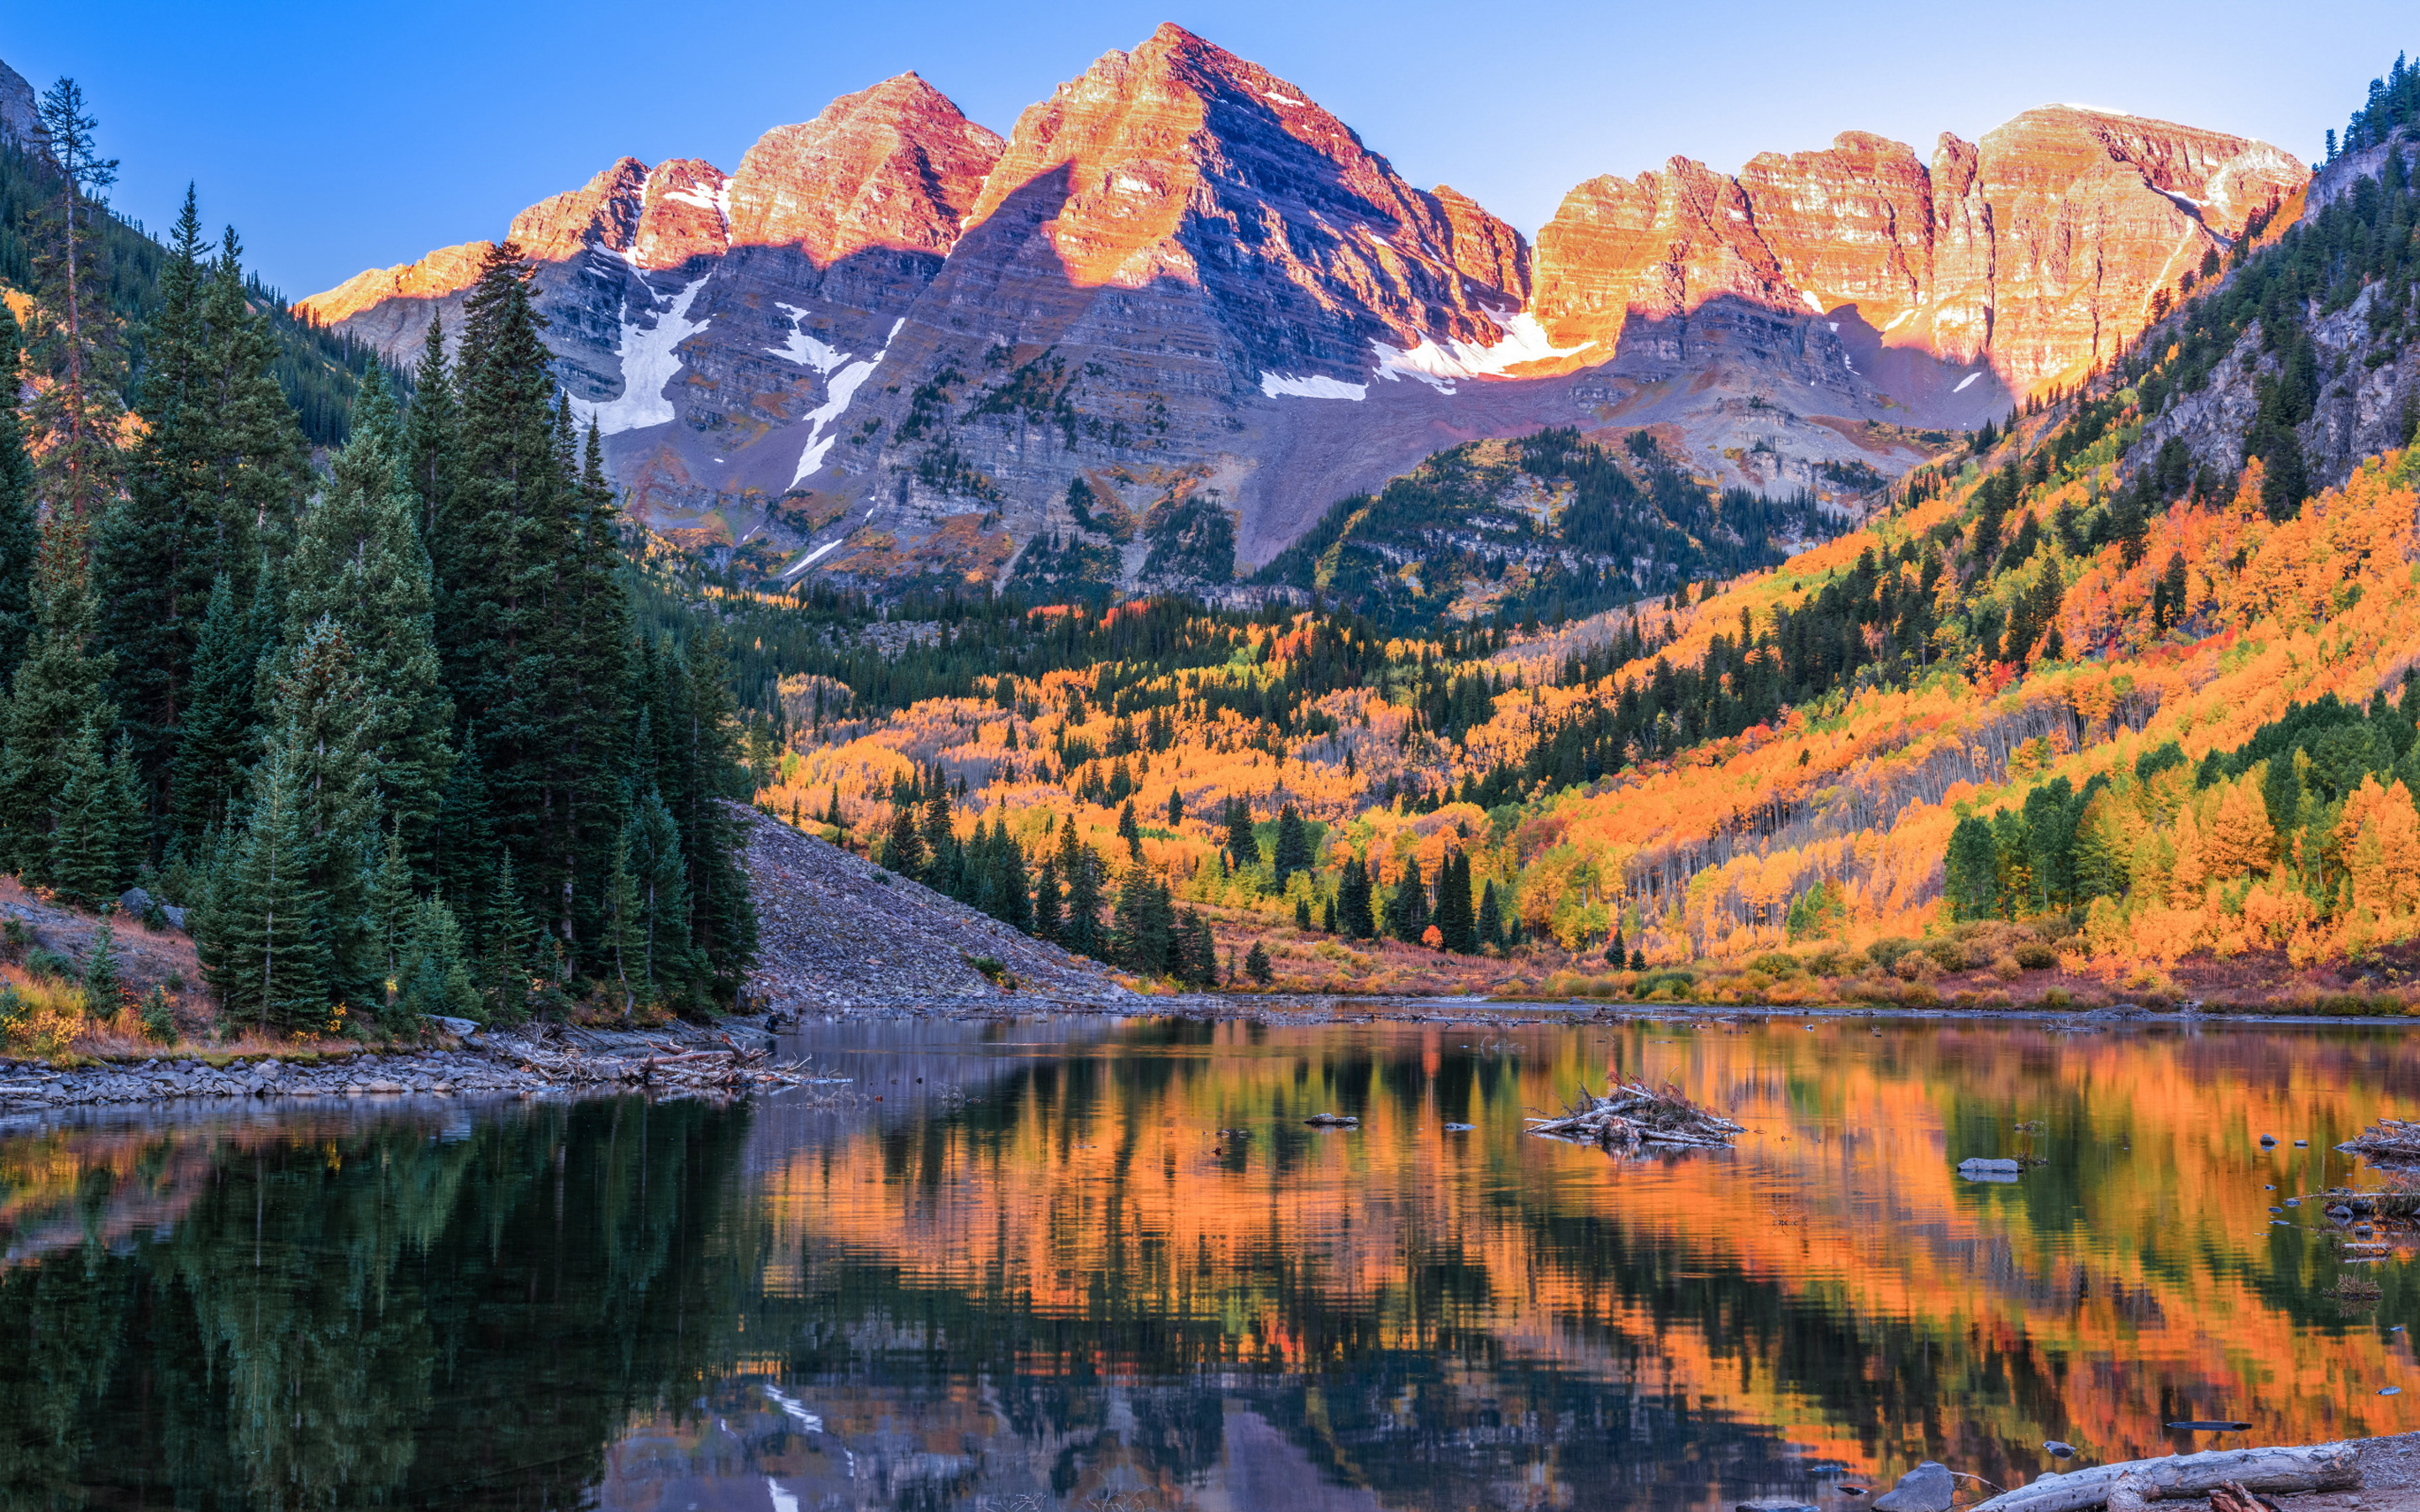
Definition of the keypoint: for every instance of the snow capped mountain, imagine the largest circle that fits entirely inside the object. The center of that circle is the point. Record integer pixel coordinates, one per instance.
(890, 341)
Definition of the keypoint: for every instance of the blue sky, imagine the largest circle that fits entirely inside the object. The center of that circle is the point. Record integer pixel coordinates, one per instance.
(337, 137)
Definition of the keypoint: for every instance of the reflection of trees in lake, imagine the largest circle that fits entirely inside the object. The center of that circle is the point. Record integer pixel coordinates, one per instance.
(368, 1313)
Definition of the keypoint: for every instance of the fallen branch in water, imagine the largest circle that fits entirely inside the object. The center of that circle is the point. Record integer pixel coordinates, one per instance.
(2386, 1139)
(2318, 1467)
(1633, 1115)
(729, 1072)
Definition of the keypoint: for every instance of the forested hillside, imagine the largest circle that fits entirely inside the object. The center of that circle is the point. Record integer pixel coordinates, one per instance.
(2113, 700)
(316, 369)
(388, 732)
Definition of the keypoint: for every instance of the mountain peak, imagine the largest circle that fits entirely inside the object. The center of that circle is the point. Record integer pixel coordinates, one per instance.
(895, 165)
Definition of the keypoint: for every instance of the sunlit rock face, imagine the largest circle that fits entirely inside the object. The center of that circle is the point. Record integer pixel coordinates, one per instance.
(890, 341)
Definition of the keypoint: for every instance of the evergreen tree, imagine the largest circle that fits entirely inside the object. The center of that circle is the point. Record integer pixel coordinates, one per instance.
(101, 972)
(150, 554)
(431, 975)
(392, 908)
(903, 848)
(651, 843)
(267, 962)
(510, 952)
(75, 409)
(1048, 924)
(1206, 952)
(1256, 966)
(359, 565)
(1144, 923)
(1454, 920)
(1293, 850)
(432, 432)
(1972, 871)
(59, 696)
(1491, 920)
(321, 712)
(18, 533)
(1130, 831)
(1354, 913)
(624, 942)
(84, 849)
(1243, 844)
(218, 734)
(1407, 905)
(1083, 871)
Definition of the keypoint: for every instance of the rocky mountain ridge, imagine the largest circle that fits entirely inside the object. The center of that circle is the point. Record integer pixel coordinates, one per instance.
(1182, 309)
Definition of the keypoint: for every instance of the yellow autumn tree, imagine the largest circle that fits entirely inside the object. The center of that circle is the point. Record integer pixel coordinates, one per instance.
(2187, 877)
(2240, 837)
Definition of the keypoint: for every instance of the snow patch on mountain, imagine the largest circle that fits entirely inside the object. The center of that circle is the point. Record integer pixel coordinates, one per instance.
(838, 392)
(1441, 367)
(804, 349)
(1315, 386)
(649, 361)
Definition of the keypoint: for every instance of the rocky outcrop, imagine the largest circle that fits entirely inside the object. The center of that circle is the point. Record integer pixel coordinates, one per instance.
(20, 121)
(2035, 253)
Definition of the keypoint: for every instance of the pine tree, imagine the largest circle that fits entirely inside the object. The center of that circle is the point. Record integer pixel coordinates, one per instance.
(1491, 919)
(321, 727)
(625, 941)
(1243, 845)
(58, 695)
(1256, 966)
(1293, 850)
(511, 941)
(432, 432)
(1130, 831)
(18, 533)
(84, 849)
(1143, 923)
(392, 907)
(433, 975)
(269, 961)
(903, 848)
(1407, 905)
(1353, 901)
(1046, 920)
(359, 565)
(75, 409)
(1082, 870)
(218, 734)
(151, 552)
(100, 970)
(1454, 920)
(653, 858)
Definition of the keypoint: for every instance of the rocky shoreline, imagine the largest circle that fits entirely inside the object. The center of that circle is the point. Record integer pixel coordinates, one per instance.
(492, 1063)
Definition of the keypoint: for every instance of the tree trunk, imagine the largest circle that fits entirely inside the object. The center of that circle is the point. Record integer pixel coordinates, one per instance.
(2320, 1467)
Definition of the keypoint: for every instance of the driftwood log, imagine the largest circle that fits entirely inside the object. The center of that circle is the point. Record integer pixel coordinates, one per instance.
(2125, 1487)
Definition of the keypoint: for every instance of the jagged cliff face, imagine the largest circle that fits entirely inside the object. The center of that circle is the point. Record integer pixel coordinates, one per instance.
(20, 122)
(888, 342)
(2031, 255)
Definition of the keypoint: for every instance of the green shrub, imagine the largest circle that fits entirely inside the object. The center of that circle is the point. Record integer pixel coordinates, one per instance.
(1886, 953)
(2035, 956)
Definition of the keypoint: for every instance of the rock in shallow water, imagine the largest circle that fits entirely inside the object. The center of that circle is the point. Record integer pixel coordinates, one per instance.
(1928, 1487)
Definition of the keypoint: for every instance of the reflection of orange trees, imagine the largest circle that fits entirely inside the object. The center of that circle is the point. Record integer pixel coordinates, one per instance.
(2088, 1302)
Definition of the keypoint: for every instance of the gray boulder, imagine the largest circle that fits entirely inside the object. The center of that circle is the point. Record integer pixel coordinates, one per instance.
(1928, 1487)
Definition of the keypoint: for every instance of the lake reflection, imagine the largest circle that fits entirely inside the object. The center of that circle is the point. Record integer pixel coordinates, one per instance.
(1036, 1275)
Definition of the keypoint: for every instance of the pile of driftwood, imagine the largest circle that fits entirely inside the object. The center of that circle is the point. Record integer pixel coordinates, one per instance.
(727, 1072)
(2390, 1139)
(1631, 1115)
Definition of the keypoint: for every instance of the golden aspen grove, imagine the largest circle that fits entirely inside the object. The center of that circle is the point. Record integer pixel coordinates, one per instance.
(2067, 718)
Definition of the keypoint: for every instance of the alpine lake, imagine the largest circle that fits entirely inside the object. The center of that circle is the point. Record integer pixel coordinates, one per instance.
(1095, 1262)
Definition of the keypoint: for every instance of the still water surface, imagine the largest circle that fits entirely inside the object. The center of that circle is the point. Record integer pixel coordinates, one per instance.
(1037, 1275)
